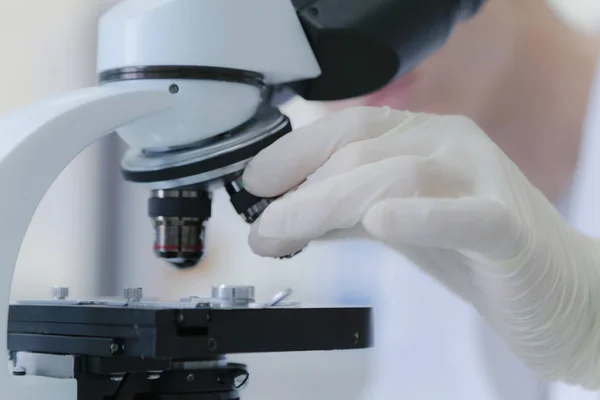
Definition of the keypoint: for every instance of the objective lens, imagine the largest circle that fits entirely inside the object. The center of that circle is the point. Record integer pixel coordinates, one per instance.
(179, 218)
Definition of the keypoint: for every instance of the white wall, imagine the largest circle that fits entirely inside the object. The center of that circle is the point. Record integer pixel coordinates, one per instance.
(48, 48)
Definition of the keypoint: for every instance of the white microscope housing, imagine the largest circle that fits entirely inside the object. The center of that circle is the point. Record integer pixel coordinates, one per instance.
(217, 58)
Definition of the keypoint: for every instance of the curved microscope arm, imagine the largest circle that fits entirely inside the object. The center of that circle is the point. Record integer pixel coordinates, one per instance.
(36, 144)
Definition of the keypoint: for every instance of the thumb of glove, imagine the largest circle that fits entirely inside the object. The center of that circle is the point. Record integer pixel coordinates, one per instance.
(481, 226)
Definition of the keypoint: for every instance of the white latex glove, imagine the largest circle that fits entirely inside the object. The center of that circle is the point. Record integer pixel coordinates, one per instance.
(438, 190)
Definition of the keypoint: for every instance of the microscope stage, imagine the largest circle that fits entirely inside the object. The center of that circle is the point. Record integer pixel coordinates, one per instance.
(165, 333)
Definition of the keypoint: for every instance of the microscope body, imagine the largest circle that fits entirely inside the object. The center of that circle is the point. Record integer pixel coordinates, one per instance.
(219, 61)
(193, 87)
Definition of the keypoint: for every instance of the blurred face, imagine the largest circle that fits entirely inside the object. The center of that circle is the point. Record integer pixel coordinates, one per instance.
(459, 77)
(520, 74)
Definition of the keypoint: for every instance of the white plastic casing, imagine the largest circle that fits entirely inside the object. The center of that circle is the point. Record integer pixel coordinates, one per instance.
(202, 109)
(263, 36)
(38, 142)
(253, 35)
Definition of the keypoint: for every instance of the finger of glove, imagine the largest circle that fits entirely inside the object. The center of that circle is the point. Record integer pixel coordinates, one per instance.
(408, 138)
(272, 247)
(475, 225)
(286, 163)
(339, 202)
(437, 178)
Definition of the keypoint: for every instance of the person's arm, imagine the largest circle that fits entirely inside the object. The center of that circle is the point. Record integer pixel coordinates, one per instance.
(437, 189)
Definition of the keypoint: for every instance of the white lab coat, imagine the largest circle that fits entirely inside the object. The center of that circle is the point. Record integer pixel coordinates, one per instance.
(432, 346)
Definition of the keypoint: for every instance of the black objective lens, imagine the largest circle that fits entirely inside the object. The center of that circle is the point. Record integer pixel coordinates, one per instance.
(179, 217)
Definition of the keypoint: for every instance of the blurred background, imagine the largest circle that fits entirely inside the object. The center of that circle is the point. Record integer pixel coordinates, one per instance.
(91, 232)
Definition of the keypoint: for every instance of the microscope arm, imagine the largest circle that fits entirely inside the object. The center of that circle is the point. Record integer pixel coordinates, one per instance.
(36, 144)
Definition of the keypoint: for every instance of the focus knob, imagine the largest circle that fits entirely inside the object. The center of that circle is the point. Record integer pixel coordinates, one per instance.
(60, 293)
(134, 294)
(233, 296)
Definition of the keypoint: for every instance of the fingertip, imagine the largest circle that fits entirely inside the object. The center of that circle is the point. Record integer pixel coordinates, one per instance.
(378, 219)
(271, 247)
(255, 181)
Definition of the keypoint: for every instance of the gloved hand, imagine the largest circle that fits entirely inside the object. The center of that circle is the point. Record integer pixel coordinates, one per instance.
(438, 190)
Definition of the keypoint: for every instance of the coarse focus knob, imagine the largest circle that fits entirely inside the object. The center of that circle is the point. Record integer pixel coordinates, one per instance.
(233, 293)
(249, 206)
(60, 293)
(133, 294)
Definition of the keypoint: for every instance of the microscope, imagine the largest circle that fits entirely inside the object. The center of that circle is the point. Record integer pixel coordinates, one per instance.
(194, 89)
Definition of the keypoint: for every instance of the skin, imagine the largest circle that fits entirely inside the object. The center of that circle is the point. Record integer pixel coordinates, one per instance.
(519, 72)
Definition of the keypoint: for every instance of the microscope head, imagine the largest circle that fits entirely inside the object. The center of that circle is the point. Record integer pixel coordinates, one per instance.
(223, 62)
(228, 65)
